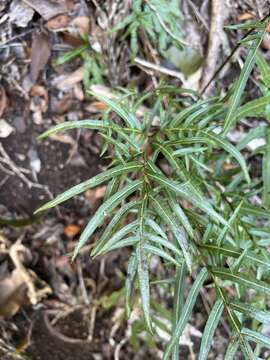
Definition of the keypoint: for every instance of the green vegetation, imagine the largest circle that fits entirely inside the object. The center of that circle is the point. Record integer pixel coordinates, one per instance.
(178, 189)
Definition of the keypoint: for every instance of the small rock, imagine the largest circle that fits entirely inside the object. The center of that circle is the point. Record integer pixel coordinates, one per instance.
(5, 129)
(35, 162)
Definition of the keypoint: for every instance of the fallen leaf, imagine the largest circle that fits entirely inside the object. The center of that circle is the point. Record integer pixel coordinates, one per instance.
(38, 103)
(65, 82)
(3, 100)
(72, 230)
(96, 106)
(40, 55)
(59, 22)
(78, 92)
(63, 138)
(80, 26)
(13, 294)
(20, 13)
(102, 90)
(72, 40)
(5, 129)
(245, 16)
(49, 8)
(37, 289)
(61, 106)
(40, 91)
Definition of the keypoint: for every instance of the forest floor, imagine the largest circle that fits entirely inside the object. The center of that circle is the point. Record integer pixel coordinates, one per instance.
(76, 310)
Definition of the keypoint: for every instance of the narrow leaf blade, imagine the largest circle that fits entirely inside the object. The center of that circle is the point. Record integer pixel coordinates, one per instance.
(210, 328)
(103, 211)
(256, 337)
(242, 279)
(79, 124)
(187, 309)
(241, 83)
(88, 184)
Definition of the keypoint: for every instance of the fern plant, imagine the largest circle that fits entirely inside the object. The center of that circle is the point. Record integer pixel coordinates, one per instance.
(179, 190)
(158, 18)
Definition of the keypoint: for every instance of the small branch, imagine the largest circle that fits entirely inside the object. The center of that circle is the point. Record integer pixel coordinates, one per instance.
(161, 69)
(82, 284)
(230, 56)
(6, 159)
(16, 37)
(214, 41)
(198, 15)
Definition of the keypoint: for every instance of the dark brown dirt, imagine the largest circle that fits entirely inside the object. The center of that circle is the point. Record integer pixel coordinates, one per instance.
(55, 173)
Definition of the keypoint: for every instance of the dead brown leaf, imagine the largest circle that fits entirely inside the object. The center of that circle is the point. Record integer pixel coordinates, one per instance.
(102, 90)
(49, 8)
(39, 102)
(72, 40)
(61, 106)
(40, 55)
(13, 294)
(58, 23)
(78, 92)
(40, 91)
(3, 100)
(63, 138)
(80, 26)
(65, 82)
(245, 16)
(72, 230)
(96, 106)
(18, 288)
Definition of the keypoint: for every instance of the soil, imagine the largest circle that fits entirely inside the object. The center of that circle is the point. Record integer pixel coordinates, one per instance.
(55, 173)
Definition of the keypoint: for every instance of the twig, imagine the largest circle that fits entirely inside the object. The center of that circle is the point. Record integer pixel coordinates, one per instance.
(4, 180)
(198, 15)
(165, 27)
(15, 170)
(14, 167)
(160, 69)
(214, 41)
(16, 37)
(92, 322)
(119, 347)
(225, 62)
(82, 284)
(6, 171)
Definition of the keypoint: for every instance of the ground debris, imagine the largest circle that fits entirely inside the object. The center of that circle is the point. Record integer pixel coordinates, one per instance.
(20, 13)
(48, 9)
(18, 288)
(5, 129)
(40, 55)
